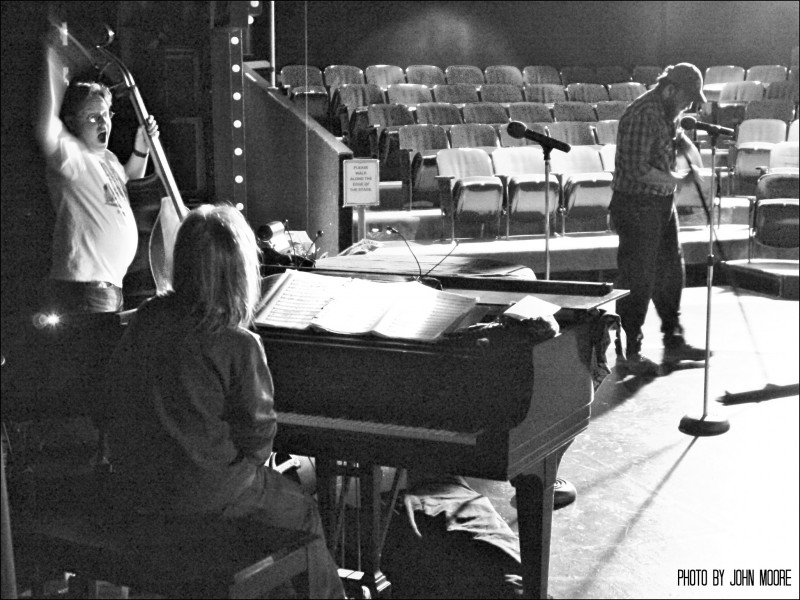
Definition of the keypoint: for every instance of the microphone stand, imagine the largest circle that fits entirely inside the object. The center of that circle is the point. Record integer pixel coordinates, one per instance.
(705, 426)
(546, 149)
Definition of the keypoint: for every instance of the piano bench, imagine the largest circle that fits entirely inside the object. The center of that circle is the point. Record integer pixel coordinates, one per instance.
(178, 558)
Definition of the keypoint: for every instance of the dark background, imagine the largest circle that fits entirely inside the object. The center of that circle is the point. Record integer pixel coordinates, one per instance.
(358, 33)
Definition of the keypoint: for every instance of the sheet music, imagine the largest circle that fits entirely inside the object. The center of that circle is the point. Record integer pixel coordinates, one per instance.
(298, 298)
(423, 313)
(359, 307)
(403, 310)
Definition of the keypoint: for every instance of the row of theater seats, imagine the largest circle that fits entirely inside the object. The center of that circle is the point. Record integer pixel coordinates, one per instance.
(476, 187)
(762, 145)
(431, 75)
(367, 127)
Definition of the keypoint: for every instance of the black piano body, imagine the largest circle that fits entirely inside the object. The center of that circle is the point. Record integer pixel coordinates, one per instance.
(493, 402)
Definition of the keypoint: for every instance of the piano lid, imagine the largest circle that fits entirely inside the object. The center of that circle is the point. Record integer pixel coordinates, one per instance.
(494, 282)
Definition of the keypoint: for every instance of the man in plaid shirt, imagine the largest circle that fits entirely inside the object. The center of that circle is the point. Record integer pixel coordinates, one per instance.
(649, 258)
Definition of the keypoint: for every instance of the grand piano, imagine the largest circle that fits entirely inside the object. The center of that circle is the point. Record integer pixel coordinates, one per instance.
(495, 401)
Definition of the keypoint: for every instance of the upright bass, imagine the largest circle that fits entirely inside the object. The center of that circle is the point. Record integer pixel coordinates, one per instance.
(172, 210)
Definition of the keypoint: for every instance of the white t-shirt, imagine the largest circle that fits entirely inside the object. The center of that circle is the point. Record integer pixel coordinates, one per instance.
(95, 235)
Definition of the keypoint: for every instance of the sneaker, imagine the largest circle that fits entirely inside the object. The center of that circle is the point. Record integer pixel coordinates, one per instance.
(639, 365)
(679, 350)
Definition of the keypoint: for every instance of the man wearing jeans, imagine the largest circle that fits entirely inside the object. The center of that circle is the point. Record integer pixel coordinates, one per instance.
(649, 259)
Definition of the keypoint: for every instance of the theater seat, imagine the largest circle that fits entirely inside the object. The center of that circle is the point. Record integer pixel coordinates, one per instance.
(471, 195)
(522, 170)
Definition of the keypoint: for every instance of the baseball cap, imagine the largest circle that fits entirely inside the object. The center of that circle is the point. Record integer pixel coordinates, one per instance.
(687, 77)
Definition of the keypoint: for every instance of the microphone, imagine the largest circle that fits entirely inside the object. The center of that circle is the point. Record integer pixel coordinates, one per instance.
(692, 123)
(518, 130)
(320, 233)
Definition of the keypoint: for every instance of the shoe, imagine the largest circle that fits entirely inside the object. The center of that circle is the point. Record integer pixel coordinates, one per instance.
(678, 350)
(639, 365)
(564, 493)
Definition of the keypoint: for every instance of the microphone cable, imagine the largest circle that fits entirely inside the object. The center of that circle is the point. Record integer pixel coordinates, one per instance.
(455, 245)
(390, 229)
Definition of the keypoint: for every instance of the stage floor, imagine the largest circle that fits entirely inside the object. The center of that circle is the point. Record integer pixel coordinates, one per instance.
(591, 255)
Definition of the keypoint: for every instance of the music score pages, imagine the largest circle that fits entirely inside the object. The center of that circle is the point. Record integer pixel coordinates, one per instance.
(352, 306)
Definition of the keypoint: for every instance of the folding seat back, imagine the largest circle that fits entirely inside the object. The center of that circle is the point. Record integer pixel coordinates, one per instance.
(423, 137)
(781, 184)
(733, 99)
(775, 223)
(389, 115)
(409, 94)
(646, 74)
(456, 93)
(501, 92)
(574, 133)
(293, 76)
(723, 74)
(611, 109)
(741, 91)
(754, 141)
(784, 156)
(429, 75)
(717, 76)
(578, 74)
(627, 91)
(587, 92)
(783, 90)
(769, 109)
(766, 74)
(586, 189)
(612, 74)
(536, 74)
(473, 135)
(506, 74)
(547, 93)
(438, 113)
(507, 141)
(760, 131)
(521, 160)
(419, 145)
(606, 131)
(313, 101)
(350, 105)
(338, 75)
(574, 111)
(351, 96)
(384, 75)
(469, 189)
(385, 120)
(484, 112)
(529, 112)
(464, 74)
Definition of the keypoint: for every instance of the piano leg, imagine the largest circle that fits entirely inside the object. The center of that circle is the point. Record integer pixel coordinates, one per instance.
(534, 517)
(371, 532)
(326, 499)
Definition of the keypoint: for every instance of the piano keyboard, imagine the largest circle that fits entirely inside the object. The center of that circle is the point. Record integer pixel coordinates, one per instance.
(378, 429)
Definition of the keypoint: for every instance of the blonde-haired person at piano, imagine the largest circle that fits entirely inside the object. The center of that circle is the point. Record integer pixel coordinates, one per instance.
(95, 235)
(191, 418)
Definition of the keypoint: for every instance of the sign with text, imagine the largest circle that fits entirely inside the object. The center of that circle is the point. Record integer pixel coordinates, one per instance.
(361, 177)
